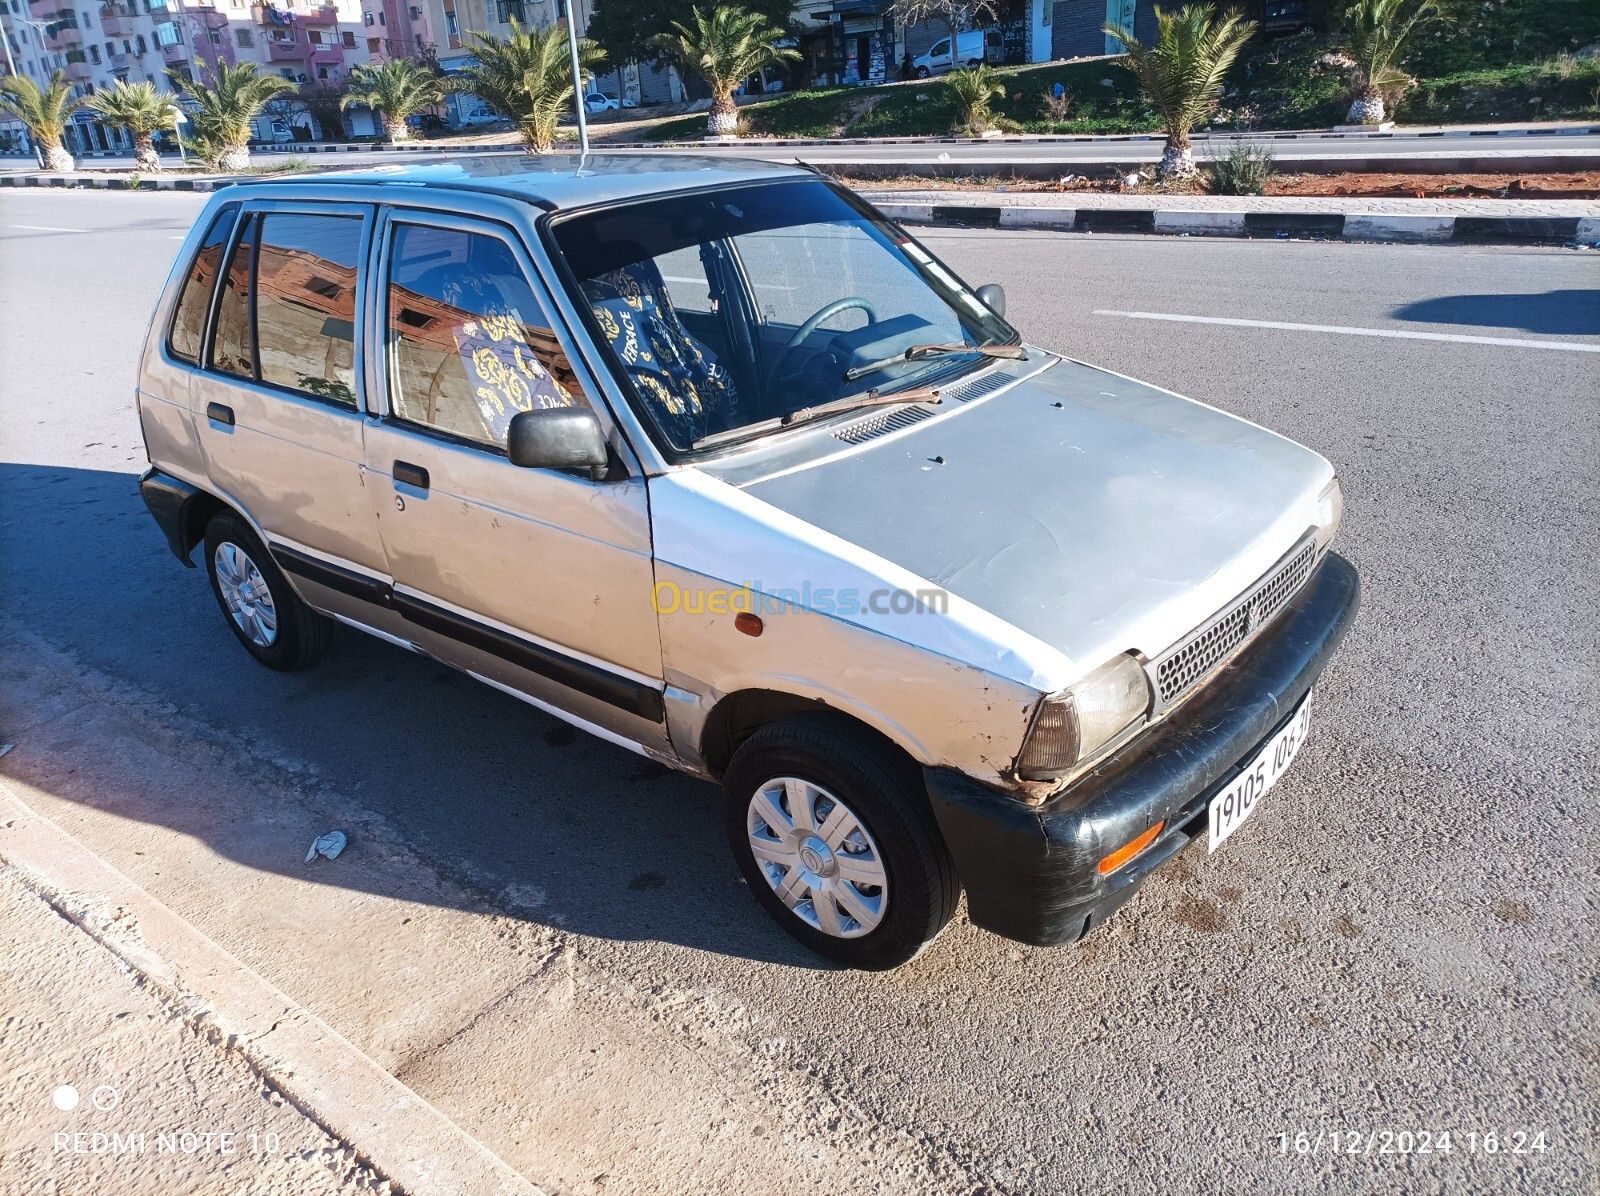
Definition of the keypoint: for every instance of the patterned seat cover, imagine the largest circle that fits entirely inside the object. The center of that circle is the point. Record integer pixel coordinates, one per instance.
(689, 391)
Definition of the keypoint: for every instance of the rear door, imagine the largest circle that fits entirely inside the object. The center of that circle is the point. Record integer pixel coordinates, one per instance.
(538, 581)
(280, 401)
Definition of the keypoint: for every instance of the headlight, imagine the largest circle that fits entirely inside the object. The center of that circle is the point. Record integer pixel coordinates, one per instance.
(1074, 725)
(1330, 510)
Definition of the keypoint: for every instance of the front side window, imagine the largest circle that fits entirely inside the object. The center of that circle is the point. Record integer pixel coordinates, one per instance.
(731, 312)
(306, 303)
(470, 344)
(194, 301)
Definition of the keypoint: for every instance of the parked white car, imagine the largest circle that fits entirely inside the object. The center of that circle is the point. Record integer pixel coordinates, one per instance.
(708, 458)
(598, 102)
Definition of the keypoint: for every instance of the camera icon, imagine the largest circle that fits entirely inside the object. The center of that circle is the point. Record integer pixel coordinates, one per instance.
(104, 1098)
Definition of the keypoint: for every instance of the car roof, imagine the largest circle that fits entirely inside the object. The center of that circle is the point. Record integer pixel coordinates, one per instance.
(559, 181)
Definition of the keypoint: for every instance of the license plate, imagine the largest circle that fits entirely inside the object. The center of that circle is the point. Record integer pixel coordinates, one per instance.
(1239, 800)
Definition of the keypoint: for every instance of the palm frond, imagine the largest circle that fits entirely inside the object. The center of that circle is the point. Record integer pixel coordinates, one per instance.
(140, 108)
(44, 111)
(725, 47)
(1377, 32)
(223, 108)
(1182, 73)
(399, 88)
(527, 74)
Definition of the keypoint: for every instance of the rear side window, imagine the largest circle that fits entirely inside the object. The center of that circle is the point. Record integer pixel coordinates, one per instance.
(305, 305)
(232, 346)
(194, 301)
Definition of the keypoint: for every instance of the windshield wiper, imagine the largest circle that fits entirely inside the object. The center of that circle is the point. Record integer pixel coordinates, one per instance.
(867, 398)
(924, 352)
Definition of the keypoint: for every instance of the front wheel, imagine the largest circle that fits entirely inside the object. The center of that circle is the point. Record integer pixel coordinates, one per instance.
(922, 72)
(835, 838)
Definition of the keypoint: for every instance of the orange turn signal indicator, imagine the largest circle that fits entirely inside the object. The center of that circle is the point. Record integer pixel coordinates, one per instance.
(748, 623)
(1122, 855)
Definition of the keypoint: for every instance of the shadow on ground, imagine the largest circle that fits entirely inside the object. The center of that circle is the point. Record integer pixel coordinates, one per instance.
(1554, 313)
(500, 797)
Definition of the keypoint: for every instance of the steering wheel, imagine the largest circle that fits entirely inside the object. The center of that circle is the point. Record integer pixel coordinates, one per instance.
(820, 317)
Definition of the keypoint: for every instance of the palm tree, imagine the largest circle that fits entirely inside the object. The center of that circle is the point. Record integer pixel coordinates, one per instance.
(527, 76)
(399, 89)
(1182, 73)
(974, 90)
(1377, 32)
(725, 47)
(143, 111)
(45, 113)
(224, 109)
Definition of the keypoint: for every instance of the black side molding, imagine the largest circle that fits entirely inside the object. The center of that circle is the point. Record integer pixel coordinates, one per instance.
(169, 502)
(345, 581)
(623, 692)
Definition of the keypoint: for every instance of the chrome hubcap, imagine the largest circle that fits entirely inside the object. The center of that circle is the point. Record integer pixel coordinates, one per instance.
(245, 593)
(818, 857)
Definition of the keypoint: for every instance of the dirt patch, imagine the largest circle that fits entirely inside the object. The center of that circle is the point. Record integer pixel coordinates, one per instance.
(1346, 928)
(859, 110)
(1511, 911)
(1199, 913)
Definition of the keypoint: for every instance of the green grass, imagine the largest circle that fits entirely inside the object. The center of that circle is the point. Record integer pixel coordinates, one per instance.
(898, 112)
(1494, 62)
(1510, 93)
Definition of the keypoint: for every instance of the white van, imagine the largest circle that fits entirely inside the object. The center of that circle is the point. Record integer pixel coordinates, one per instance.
(970, 48)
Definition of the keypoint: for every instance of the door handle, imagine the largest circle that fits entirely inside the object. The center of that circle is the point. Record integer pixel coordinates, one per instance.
(222, 415)
(411, 475)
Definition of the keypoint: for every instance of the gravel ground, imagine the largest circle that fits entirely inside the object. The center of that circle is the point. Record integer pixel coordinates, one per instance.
(1402, 940)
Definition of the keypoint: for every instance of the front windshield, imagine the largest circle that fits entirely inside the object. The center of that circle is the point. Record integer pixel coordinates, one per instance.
(736, 309)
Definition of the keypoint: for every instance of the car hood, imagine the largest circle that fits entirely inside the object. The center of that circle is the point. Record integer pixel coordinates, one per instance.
(1097, 514)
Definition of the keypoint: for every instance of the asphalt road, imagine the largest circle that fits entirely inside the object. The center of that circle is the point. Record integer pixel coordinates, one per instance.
(1558, 151)
(1403, 939)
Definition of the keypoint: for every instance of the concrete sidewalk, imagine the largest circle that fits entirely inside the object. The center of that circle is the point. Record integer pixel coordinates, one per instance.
(106, 1085)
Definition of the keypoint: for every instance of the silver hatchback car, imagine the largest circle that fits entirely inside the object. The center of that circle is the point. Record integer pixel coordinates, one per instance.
(711, 460)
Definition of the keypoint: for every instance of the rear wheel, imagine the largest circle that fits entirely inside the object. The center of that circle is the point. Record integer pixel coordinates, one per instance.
(835, 838)
(269, 618)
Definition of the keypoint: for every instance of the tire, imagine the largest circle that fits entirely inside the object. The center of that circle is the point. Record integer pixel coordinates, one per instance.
(821, 762)
(272, 622)
(922, 72)
(973, 63)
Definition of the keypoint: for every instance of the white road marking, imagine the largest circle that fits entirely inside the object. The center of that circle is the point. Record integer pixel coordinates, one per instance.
(1396, 333)
(44, 228)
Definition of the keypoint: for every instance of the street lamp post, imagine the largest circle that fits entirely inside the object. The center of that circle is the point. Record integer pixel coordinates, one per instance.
(577, 79)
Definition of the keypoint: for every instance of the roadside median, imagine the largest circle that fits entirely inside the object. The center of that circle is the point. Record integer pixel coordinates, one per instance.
(1423, 221)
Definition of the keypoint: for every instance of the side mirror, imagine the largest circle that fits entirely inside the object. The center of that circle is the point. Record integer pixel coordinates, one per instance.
(993, 296)
(558, 438)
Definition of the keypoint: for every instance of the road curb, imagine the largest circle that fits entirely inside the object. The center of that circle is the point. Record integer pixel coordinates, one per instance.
(327, 1077)
(1345, 226)
(355, 147)
(1352, 225)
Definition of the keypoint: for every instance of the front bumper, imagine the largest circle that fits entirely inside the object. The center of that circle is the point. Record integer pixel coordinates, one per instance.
(1031, 872)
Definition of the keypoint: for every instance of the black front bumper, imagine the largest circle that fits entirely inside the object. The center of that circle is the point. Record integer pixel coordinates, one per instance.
(1031, 872)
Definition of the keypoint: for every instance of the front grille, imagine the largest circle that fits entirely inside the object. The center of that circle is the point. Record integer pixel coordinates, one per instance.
(1179, 670)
